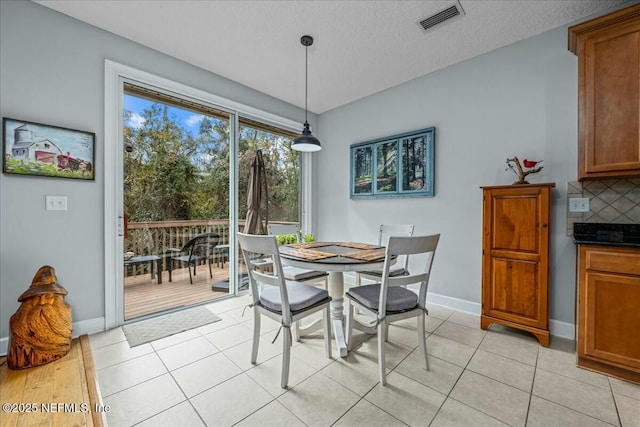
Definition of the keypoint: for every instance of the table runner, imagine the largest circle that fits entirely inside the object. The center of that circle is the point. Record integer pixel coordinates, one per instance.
(370, 255)
(309, 245)
(355, 245)
(307, 254)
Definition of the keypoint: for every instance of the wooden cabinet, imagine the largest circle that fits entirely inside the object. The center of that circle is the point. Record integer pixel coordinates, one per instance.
(515, 257)
(608, 50)
(609, 310)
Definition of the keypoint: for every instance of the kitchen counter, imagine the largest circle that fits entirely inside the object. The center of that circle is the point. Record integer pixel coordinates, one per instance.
(619, 235)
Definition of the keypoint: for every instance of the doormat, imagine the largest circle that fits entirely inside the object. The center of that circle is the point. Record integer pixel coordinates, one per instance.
(160, 327)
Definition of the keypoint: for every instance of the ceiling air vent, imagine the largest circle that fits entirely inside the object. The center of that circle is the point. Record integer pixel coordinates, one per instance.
(446, 14)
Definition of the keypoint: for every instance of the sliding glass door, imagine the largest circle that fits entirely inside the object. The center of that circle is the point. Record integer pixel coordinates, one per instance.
(180, 179)
(175, 168)
(176, 201)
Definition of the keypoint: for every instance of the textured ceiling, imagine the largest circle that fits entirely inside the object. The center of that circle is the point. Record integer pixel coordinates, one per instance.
(361, 47)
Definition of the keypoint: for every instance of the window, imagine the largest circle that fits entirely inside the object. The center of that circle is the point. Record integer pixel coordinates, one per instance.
(176, 166)
(199, 134)
(282, 167)
(396, 166)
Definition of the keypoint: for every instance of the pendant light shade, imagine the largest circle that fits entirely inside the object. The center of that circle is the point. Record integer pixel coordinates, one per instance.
(305, 141)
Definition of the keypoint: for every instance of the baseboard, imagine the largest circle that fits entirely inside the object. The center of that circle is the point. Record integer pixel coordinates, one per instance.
(556, 327)
(455, 303)
(562, 329)
(89, 326)
(4, 345)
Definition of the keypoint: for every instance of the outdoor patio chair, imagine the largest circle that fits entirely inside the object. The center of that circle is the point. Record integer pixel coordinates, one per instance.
(390, 300)
(400, 268)
(280, 300)
(198, 248)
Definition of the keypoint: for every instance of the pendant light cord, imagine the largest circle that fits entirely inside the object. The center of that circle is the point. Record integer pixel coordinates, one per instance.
(306, 80)
(305, 141)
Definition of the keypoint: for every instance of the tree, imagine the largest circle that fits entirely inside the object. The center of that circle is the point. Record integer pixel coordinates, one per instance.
(171, 174)
(159, 174)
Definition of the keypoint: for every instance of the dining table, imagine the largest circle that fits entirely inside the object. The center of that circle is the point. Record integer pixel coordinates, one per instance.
(335, 258)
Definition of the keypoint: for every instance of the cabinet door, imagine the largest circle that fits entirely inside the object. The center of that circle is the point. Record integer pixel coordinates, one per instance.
(609, 105)
(515, 292)
(609, 316)
(515, 255)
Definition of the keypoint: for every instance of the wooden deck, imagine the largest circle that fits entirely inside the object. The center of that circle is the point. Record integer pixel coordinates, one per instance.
(142, 296)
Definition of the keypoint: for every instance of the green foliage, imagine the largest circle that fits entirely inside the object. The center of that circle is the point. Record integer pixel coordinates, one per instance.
(172, 174)
(282, 170)
(286, 239)
(289, 239)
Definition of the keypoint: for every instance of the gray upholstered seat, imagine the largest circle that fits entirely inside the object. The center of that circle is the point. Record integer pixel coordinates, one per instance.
(395, 270)
(285, 302)
(398, 299)
(402, 263)
(391, 300)
(301, 296)
(301, 274)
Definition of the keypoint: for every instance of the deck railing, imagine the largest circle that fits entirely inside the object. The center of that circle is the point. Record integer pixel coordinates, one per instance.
(157, 237)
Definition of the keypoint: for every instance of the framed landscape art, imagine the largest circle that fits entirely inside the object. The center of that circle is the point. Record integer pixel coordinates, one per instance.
(395, 166)
(30, 148)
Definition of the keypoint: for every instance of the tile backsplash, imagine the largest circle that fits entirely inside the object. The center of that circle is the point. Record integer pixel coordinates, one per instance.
(614, 200)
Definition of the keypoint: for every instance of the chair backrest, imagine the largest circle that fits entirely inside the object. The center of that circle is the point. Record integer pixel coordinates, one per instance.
(282, 229)
(202, 244)
(256, 247)
(421, 247)
(387, 230)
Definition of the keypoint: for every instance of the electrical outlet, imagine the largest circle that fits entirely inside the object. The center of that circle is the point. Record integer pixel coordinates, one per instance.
(579, 204)
(56, 203)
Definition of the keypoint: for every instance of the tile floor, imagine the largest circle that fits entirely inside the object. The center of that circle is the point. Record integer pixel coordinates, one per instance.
(498, 377)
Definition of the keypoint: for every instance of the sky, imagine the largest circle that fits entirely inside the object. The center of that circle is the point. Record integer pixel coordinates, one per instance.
(188, 119)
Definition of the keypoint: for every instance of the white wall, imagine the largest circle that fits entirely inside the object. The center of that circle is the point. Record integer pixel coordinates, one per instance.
(518, 100)
(52, 71)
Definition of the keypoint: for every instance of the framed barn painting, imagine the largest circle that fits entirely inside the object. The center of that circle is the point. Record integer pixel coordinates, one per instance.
(36, 149)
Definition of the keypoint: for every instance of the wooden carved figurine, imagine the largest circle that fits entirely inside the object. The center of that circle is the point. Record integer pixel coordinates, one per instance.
(40, 331)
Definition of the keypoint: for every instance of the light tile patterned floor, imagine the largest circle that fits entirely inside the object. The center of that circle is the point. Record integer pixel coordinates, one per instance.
(498, 377)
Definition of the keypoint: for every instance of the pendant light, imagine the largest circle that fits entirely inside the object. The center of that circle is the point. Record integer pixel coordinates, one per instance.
(305, 141)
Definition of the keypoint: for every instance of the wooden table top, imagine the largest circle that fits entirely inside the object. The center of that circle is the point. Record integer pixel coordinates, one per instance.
(334, 252)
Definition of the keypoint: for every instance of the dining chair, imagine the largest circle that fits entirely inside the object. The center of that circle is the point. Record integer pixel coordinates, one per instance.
(401, 265)
(295, 273)
(283, 301)
(198, 248)
(390, 300)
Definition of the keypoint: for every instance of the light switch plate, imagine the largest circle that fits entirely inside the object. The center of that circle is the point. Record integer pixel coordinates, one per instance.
(579, 204)
(56, 203)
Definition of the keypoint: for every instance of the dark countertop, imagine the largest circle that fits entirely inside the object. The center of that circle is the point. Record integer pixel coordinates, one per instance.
(622, 235)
